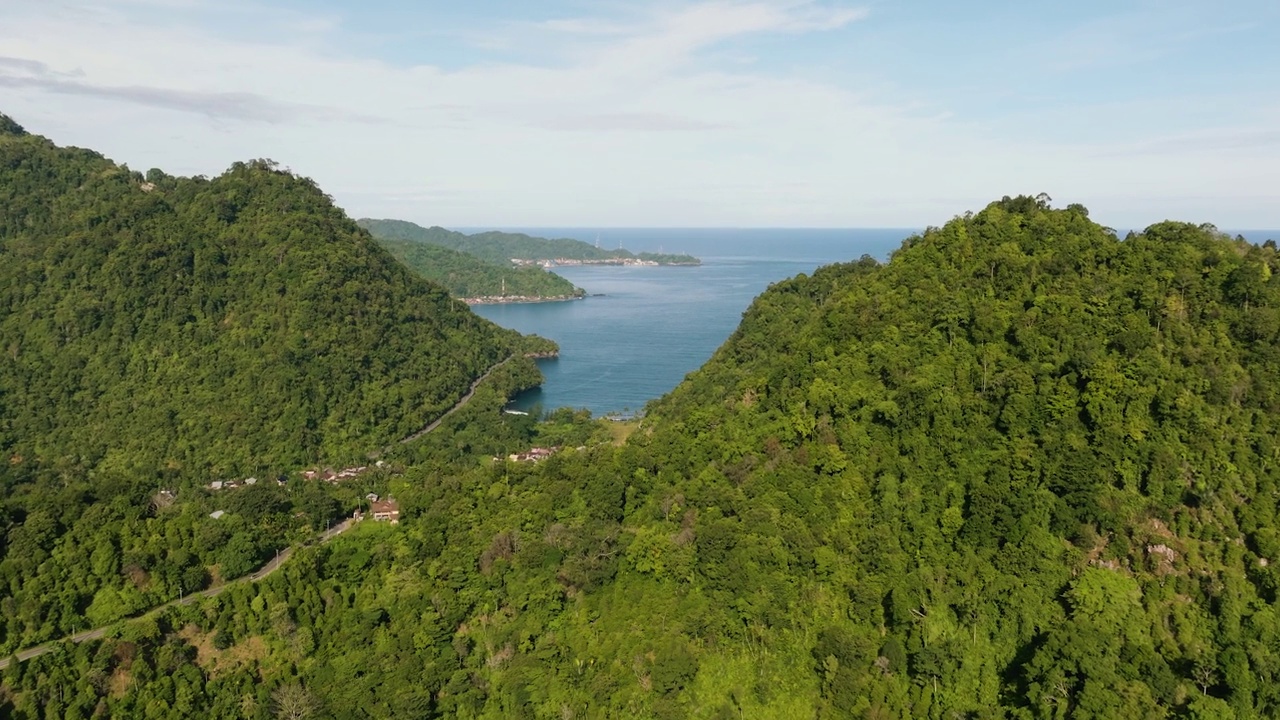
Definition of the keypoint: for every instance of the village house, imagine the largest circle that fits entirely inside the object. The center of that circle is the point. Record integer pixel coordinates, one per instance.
(385, 511)
(334, 476)
(533, 454)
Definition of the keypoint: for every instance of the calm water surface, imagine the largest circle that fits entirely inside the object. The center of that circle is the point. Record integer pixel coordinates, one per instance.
(652, 326)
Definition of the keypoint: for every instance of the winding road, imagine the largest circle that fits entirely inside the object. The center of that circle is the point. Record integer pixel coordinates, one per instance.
(97, 633)
(260, 573)
(458, 405)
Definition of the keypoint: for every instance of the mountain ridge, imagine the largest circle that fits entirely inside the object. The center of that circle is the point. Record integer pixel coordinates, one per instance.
(245, 310)
(1024, 469)
(475, 280)
(503, 248)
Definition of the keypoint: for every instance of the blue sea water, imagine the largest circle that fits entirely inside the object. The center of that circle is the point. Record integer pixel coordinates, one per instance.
(642, 329)
(652, 326)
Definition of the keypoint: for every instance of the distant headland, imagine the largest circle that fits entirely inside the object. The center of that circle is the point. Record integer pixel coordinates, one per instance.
(640, 260)
(499, 267)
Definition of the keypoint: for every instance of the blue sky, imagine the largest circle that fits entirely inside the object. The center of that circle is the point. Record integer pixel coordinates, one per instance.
(677, 113)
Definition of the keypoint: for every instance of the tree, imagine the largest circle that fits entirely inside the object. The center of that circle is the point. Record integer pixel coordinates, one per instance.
(293, 701)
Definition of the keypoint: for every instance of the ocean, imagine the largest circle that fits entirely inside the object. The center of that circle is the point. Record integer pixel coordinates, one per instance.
(642, 329)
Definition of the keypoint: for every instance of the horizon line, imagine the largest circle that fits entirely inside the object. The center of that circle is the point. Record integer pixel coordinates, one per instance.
(602, 228)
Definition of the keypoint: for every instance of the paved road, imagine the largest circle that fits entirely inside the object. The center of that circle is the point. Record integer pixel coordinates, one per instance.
(96, 633)
(263, 571)
(458, 405)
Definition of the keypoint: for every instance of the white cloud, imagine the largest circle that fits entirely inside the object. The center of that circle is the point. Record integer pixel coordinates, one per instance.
(613, 122)
(19, 74)
(672, 39)
(626, 121)
(582, 26)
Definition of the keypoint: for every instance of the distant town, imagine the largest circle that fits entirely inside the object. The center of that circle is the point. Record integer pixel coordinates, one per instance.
(630, 261)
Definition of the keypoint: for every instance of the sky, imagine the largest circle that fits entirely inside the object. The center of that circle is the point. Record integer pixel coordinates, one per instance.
(677, 113)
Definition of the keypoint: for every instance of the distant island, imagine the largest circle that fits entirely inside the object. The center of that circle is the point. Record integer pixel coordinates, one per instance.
(505, 255)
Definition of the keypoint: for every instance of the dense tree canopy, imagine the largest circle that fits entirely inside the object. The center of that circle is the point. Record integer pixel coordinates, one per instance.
(185, 325)
(160, 333)
(469, 277)
(1024, 469)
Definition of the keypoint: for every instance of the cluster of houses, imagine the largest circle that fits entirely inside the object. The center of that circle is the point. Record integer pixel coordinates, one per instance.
(560, 262)
(501, 299)
(534, 454)
(380, 510)
(328, 475)
(233, 484)
(336, 476)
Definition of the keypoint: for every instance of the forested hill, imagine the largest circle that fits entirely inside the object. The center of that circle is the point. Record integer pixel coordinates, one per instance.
(468, 277)
(188, 326)
(501, 247)
(1023, 469)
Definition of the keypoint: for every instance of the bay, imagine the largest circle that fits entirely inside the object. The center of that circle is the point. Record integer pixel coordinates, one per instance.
(642, 329)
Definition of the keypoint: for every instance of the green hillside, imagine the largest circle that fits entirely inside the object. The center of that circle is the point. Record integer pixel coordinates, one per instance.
(1025, 469)
(166, 325)
(467, 276)
(164, 332)
(501, 248)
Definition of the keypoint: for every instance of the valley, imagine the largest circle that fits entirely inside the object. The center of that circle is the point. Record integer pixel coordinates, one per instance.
(1019, 467)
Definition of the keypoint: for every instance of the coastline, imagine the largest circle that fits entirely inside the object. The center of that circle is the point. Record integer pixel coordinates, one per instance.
(548, 263)
(514, 299)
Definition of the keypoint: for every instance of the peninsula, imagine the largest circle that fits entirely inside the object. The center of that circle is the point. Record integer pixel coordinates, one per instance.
(499, 267)
(477, 281)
